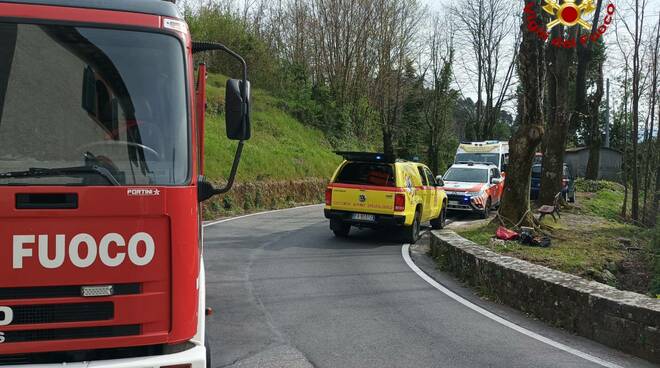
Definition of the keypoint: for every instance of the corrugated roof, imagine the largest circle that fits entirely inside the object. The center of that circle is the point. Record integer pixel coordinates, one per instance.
(578, 149)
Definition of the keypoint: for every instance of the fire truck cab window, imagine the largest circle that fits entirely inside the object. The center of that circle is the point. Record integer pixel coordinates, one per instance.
(75, 97)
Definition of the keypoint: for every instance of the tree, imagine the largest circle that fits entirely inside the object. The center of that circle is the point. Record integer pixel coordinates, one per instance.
(625, 122)
(483, 27)
(559, 61)
(396, 28)
(440, 98)
(582, 116)
(654, 218)
(515, 208)
(636, 32)
(592, 121)
(650, 215)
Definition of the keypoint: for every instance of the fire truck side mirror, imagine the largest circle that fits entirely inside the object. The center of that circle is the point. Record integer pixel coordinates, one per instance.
(237, 110)
(205, 190)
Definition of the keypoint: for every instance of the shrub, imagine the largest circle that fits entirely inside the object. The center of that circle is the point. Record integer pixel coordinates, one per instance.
(593, 186)
(261, 195)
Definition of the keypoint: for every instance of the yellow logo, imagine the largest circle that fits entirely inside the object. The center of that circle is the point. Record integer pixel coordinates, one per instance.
(569, 13)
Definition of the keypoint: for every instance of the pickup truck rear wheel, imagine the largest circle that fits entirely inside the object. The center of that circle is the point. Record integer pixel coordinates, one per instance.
(411, 233)
(439, 222)
(340, 228)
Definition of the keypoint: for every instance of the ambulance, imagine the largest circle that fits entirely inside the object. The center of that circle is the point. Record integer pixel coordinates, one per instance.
(486, 152)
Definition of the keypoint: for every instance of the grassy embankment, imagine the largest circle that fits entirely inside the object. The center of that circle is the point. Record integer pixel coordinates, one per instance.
(590, 240)
(283, 164)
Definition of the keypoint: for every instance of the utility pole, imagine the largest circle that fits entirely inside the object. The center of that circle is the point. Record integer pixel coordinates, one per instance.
(606, 142)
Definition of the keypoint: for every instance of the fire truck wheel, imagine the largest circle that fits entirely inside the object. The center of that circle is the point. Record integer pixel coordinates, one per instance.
(208, 352)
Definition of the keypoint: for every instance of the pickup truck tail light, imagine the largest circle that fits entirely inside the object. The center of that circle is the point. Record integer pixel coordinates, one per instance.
(328, 196)
(400, 202)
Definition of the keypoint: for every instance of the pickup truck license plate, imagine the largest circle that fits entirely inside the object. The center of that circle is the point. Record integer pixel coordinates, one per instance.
(453, 203)
(363, 217)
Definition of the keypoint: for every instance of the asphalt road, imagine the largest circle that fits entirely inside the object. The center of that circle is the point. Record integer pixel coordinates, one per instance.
(287, 293)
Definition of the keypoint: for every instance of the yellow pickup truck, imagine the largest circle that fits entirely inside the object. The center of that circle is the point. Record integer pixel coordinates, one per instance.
(375, 190)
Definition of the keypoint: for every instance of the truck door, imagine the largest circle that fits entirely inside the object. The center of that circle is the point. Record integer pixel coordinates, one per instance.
(425, 193)
(433, 194)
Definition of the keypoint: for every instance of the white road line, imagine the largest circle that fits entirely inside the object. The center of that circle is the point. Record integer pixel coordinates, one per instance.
(258, 213)
(405, 252)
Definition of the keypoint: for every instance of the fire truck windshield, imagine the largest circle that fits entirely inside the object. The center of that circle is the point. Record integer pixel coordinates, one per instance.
(91, 106)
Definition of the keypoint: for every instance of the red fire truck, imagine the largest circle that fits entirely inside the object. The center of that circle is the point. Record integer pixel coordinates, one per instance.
(101, 183)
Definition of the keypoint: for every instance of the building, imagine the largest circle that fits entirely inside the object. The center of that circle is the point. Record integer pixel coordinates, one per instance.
(609, 165)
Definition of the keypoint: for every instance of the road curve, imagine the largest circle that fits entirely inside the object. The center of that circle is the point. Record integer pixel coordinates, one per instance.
(287, 293)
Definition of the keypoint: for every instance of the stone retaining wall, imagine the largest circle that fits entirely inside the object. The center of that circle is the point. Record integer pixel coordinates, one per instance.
(624, 320)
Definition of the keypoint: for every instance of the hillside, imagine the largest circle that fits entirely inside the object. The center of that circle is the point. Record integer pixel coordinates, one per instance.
(281, 148)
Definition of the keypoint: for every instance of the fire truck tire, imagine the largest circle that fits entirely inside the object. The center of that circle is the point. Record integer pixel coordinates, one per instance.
(340, 228)
(208, 352)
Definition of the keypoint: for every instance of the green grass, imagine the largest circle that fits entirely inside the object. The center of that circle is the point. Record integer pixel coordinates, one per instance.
(604, 203)
(575, 249)
(586, 241)
(601, 198)
(582, 245)
(281, 148)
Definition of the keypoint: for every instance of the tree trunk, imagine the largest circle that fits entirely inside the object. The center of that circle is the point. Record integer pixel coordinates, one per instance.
(433, 158)
(634, 211)
(583, 58)
(656, 199)
(388, 146)
(553, 159)
(624, 165)
(650, 214)
(555, 138)
(594, 138)
(594, 160)
(515, 209)
(637, 69)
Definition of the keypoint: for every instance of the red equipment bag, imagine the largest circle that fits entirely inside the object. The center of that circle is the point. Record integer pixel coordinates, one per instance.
(505, 234)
